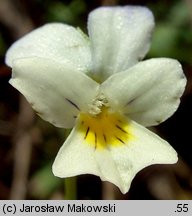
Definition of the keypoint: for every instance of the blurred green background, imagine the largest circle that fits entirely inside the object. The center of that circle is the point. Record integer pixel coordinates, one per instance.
(28, 145)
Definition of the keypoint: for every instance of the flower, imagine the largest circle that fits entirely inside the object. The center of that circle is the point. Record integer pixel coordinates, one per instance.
(99, 86)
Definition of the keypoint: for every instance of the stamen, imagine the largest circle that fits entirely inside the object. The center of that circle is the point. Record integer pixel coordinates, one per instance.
(97, 104)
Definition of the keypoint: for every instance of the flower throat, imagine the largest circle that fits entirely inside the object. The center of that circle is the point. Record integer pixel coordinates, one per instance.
(105, 129)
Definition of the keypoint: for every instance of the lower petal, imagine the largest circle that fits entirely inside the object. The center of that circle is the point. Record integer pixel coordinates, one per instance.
(144, 150)
(115, 161)
(75, 157)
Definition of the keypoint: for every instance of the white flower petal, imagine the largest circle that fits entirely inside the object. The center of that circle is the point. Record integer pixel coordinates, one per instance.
(120, 37)
(56, 41)
(117, 164)
(75, 157)
(149, 92)
(144, 149)
(111, 169)
(58, 92)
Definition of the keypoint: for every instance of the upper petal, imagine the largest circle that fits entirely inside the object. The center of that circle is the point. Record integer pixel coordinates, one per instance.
(120, 37)
(58, 92)
(56, 41)
(149, 92)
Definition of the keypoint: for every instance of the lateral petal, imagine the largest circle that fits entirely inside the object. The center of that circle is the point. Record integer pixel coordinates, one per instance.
(149, 92)
(58, 92)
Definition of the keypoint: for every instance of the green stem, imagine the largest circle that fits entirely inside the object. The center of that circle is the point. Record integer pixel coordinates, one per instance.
(70, 188)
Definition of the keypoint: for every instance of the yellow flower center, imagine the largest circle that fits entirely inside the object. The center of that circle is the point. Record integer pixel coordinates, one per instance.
(105, 129)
